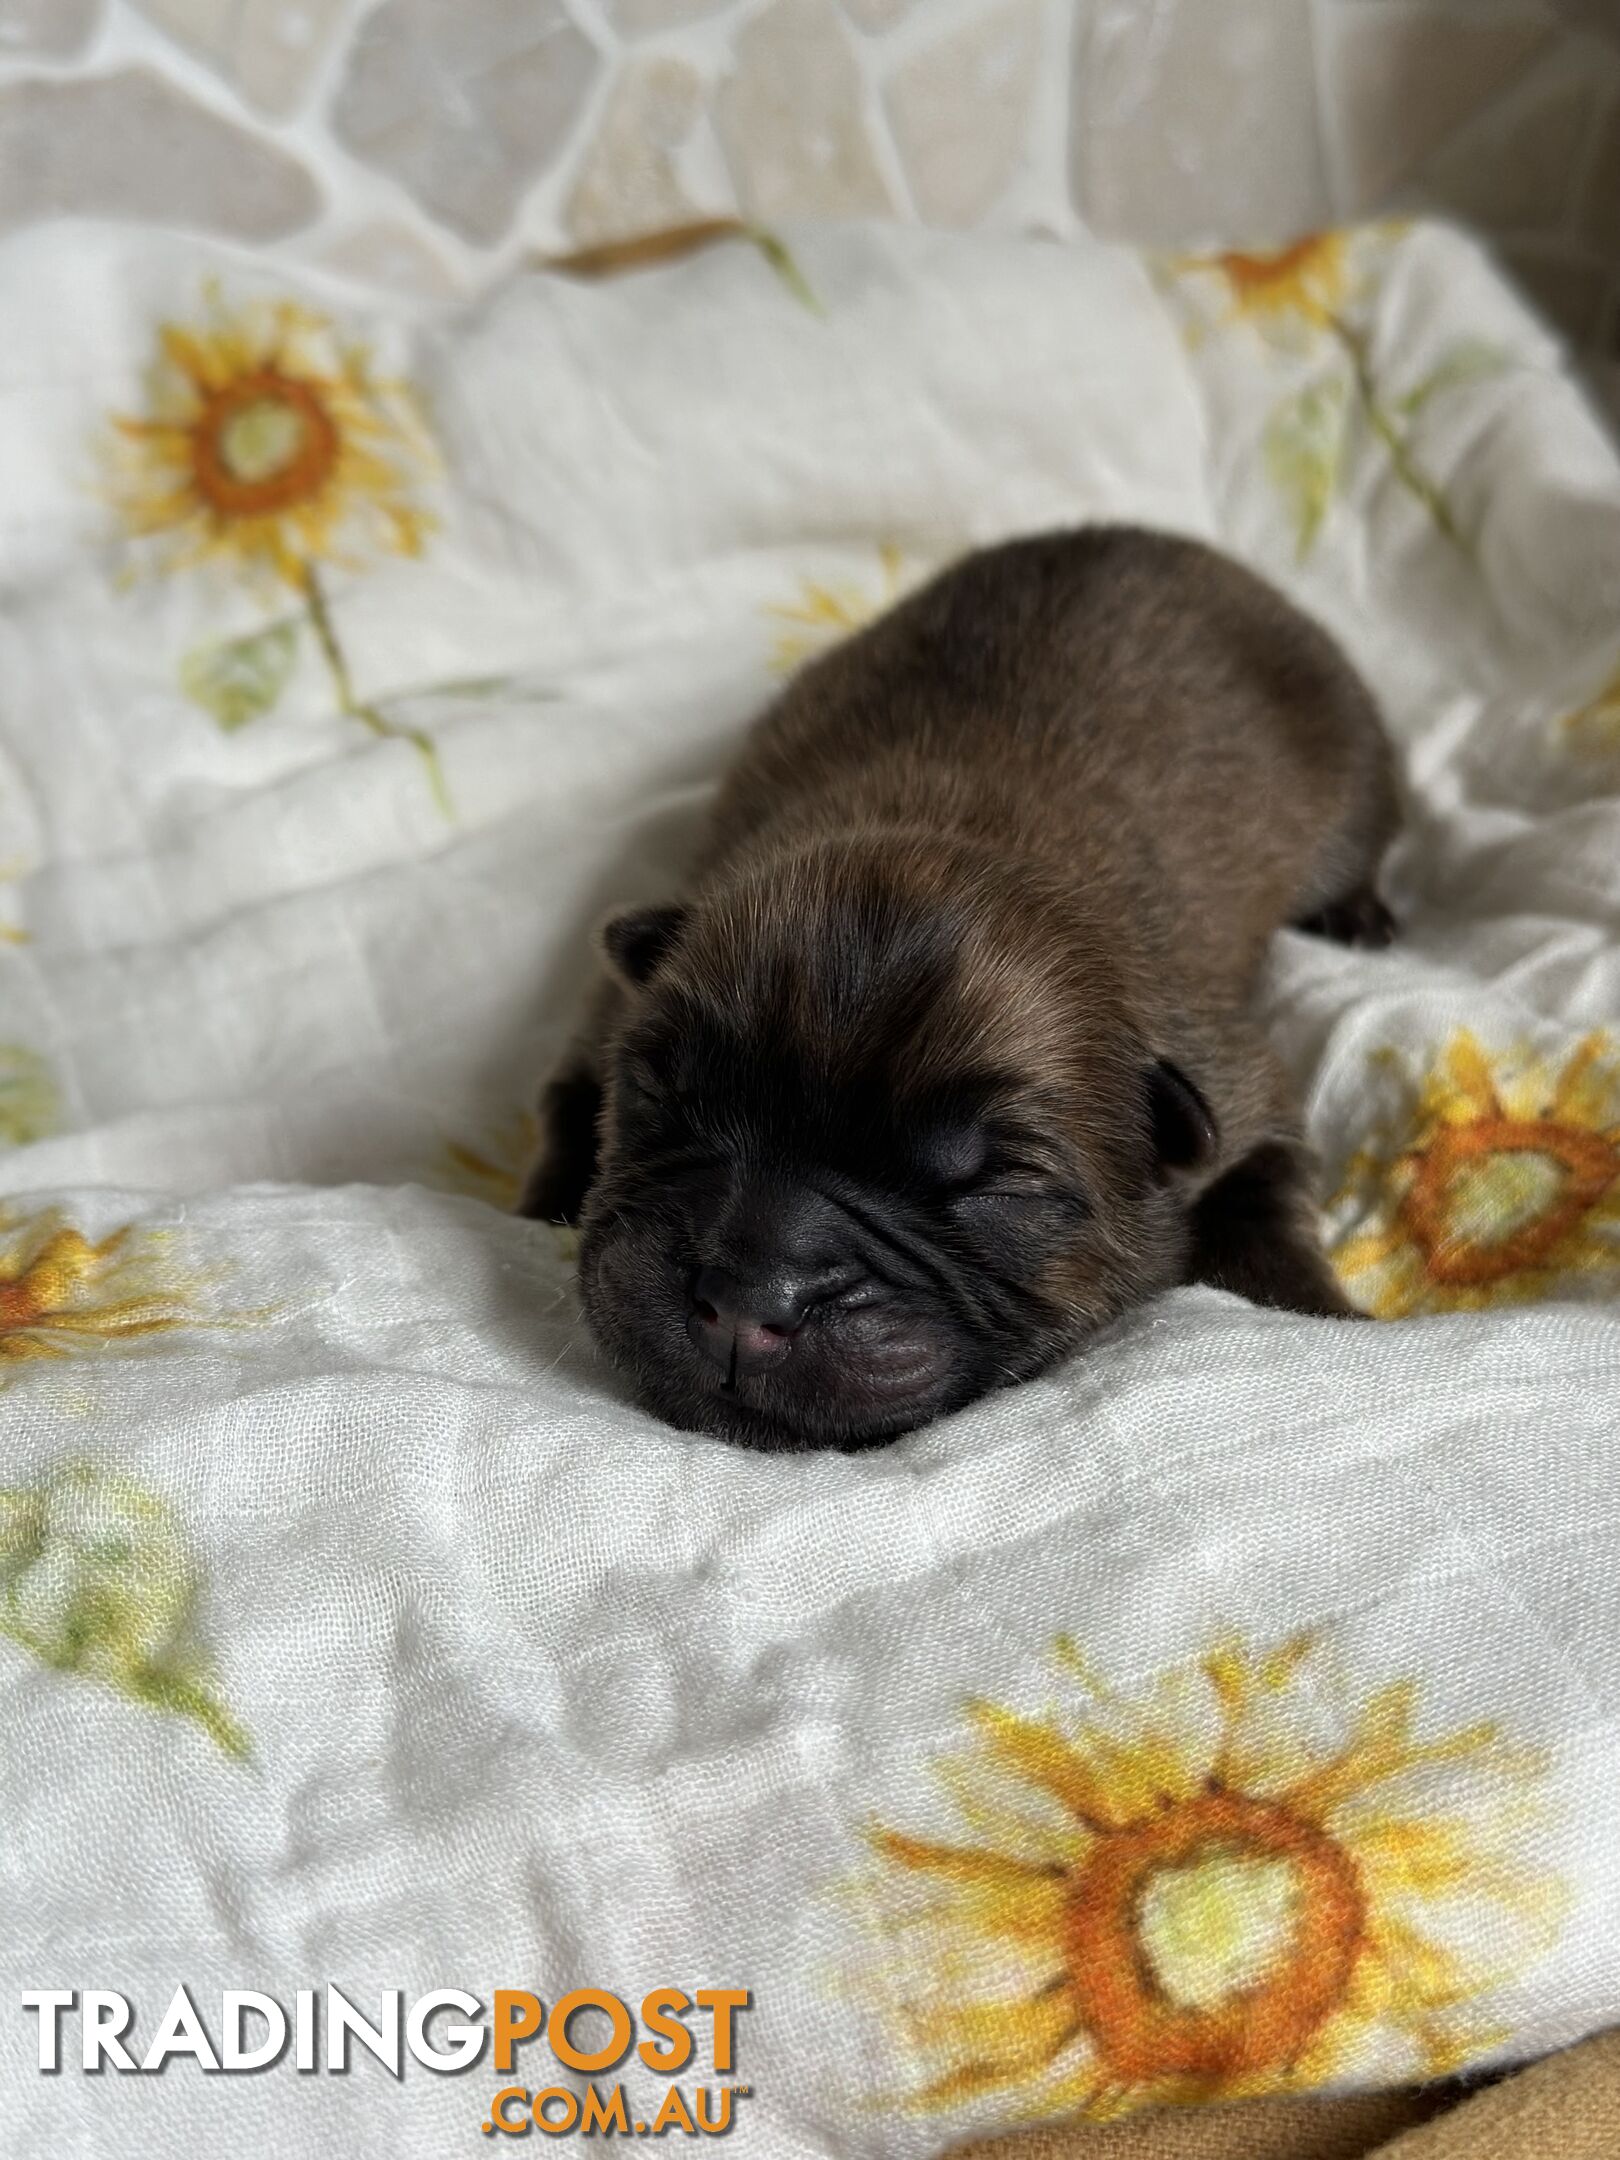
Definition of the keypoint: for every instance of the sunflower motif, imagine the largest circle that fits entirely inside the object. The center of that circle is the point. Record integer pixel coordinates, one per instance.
(1304, 300)
(1188, 1897)
(60, 1293)
(823, 615)
(273, 444)
(1305, 282)
(1502, 1185)
(95, 1581)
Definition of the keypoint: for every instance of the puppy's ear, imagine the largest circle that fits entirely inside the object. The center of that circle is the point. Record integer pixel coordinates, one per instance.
(1185, 1134)
(634, 941)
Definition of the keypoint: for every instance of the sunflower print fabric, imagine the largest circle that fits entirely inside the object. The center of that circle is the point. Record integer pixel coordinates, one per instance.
(1500, 1185)
(1198, 1892)
(63, 1294)
(340, 1576)
(270, 448)
(1306, 310)
(824, 611)
(271, 443)
(96, 1582)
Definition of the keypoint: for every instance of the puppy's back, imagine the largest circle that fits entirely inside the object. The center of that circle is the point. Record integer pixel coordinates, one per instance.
(1134, 708)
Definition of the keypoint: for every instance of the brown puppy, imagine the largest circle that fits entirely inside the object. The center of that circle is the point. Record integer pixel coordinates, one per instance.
(946, 1058)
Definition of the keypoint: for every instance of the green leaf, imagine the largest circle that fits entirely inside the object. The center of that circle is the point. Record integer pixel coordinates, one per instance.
(1303, 448)
(239, 678)
(97, 1581)
(1473, 360)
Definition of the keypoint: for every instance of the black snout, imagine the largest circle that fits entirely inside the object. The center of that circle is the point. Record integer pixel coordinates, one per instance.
(744, 1326)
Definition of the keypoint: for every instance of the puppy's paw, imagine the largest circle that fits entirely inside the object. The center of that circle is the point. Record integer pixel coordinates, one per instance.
(1359, 919)
(1255, 1231)
(565, 1168)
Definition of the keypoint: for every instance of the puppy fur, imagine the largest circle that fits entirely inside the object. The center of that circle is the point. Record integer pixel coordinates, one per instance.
(951, 1032)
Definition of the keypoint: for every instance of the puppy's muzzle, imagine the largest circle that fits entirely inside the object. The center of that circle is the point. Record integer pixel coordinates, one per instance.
(747, 1322)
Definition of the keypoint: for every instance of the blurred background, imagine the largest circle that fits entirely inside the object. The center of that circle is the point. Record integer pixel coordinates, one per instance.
(427, 144)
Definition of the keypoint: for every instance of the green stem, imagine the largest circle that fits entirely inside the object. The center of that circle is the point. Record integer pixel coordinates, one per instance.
(1407, 469)
(184, 1698)
(320, 616)
(776, 253)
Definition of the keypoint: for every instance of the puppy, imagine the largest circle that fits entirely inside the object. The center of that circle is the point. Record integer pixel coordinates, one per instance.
(946, 1057)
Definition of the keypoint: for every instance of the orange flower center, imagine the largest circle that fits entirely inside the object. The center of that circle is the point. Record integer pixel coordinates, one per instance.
(63, 1261)
(1213, 1939)
(1302, 276)
(1282, 266)
(1496, 1196)
(24, 1301)
(264, 444)
(18, 1306)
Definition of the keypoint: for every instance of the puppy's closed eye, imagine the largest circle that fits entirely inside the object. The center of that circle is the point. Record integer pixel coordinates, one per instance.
(984, 1163)
(952, 1156)
(1021, 1203)
(953, 1137)
(1032, 1194)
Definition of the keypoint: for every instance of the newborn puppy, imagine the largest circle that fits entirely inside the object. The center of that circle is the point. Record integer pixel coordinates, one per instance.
(946, 1056)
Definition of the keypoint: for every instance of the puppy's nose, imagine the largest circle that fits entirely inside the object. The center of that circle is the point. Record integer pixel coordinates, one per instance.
(743, 1326)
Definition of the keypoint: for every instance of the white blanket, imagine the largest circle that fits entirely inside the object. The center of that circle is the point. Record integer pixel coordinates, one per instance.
(1234, 1710)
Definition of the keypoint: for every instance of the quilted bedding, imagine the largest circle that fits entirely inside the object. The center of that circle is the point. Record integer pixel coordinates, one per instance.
(1234, 1710)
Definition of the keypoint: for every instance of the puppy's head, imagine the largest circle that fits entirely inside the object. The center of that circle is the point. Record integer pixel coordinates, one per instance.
(880, 1133)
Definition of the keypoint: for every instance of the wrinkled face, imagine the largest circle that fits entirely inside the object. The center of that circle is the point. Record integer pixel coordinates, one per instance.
(824, 1212)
